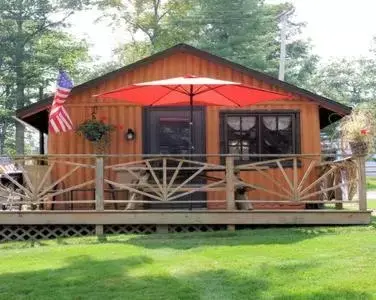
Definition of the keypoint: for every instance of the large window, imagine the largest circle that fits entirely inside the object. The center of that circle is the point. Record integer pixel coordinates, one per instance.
(259, 133)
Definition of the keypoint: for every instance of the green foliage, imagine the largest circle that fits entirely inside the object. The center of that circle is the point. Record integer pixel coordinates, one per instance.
(96, 70)
(97, 132)
(350, 81)
(248, 32)
(94, 130)
(371, 184)
(33, 46)
(57, 49)
(238, 30)
(158, 22)
(244, 31)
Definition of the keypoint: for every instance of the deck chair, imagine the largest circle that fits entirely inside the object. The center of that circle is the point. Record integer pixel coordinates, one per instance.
(36, 174)
(125, 177)
(241, 194)
(144, 177)
(8, 169)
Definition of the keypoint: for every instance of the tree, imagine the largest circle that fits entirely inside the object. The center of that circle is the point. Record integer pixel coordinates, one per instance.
(247, 32)
(97, 70)
(153, 25)
(32, 46)
(350, 81)
(244, 31)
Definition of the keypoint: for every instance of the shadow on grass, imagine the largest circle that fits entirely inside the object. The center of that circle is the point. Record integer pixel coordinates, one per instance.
(182, 241)
(373, 221)
(258, 236)
(223, 238)
(85, 278)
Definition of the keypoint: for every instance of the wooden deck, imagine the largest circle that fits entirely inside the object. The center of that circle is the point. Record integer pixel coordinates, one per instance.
(224, 217)
(162, 191)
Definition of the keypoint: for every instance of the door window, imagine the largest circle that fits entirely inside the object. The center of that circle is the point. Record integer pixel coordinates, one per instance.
(174, 136)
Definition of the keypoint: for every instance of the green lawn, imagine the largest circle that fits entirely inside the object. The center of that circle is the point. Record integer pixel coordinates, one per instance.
(371, 183)
(273, 263)
(371, 204)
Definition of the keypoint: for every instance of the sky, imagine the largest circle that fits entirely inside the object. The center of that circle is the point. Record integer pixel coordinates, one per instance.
(337, 28)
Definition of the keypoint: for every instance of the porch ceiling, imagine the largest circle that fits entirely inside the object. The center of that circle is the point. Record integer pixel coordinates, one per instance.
(39, 118)
(36, 114)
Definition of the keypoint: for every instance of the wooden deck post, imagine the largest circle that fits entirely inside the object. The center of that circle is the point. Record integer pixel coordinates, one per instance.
(99, 191)
(338, 191)
(362, 186)
(230, 188)
(296, 193)
(230, 183)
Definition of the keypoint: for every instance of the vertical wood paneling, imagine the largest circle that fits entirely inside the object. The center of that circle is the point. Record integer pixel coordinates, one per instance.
(80, 105)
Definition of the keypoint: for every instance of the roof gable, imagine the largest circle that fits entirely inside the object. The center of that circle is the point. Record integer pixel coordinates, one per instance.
(327, 106)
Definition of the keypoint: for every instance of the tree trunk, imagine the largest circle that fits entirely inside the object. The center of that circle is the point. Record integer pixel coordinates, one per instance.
(2, 137)
(6, 122)
(20, 139)
(20, 87)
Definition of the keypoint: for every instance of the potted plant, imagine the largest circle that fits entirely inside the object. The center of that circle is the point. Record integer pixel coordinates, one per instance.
(358, 130)
(97, 132)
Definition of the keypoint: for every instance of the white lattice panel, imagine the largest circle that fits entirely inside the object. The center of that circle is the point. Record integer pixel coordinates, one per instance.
(129, 229)
(195, 228)
(34, 232)
(37, 232)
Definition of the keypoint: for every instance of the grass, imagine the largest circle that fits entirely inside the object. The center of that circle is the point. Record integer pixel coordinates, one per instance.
(371, 183)
(371, 204)
(271, 263)
(371, 186)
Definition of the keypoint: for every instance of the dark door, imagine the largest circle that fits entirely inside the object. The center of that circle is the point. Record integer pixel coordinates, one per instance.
(166, 131)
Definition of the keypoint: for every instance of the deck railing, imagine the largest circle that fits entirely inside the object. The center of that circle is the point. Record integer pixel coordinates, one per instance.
(226, 182)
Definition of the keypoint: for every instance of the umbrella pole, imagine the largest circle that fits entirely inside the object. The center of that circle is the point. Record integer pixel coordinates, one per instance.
(191, 146)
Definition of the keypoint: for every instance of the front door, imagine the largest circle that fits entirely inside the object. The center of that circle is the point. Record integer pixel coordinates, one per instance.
(166, 131)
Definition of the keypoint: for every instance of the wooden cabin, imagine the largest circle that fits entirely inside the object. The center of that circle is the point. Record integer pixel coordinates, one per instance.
(268, 131)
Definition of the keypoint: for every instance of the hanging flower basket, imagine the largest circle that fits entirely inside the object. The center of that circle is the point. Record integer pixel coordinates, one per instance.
(97, 132)
(358, 130)
(359, 148)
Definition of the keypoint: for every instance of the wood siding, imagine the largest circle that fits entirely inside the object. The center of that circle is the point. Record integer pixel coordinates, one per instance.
(81, 104)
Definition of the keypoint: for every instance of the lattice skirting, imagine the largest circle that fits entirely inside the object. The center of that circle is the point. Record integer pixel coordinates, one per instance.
(129, 229)
(195, 228)
(37, 232)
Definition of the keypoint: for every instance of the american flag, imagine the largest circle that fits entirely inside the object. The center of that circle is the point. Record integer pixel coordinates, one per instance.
(59, 119)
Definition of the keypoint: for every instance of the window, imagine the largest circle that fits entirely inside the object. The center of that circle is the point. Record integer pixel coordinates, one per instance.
(259, 133)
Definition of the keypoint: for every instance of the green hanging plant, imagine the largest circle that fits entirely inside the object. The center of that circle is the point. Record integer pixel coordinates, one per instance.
(97, 132)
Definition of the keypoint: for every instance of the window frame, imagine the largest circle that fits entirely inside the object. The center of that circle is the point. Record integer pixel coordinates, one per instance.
(296, 125)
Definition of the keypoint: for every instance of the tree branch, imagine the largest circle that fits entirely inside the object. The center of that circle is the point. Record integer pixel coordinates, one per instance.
(45, 26)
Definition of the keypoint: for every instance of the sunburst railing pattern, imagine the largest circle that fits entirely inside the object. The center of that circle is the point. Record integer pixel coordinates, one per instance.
(165, 179)
(306, 179)
(62, 182)
(43, 183)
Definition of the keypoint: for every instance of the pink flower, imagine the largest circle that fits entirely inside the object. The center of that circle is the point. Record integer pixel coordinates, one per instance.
(364, 131)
